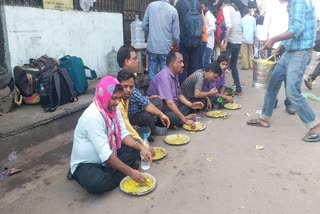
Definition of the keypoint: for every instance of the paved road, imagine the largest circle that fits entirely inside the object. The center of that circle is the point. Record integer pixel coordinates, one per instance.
(219, 171)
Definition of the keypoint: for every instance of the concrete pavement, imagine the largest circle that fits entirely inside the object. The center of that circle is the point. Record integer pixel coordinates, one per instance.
(219, 171)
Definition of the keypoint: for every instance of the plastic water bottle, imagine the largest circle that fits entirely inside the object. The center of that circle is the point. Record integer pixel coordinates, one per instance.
(137, 34)
(12, 155)
(43, 96)
(145, 165)
(3, 173)
(112, 63)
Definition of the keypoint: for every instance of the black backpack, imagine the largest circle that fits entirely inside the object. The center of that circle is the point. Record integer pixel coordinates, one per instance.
(58, 89)
(26, 76)
(193, 25)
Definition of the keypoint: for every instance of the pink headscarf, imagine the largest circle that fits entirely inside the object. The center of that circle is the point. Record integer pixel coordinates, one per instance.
(104, 91)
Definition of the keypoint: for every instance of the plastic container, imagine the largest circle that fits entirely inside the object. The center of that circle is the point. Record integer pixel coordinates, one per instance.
(112, 64)
(12, 156)
(137, 34)
(145, 165)
(3, 173)
(44, 100)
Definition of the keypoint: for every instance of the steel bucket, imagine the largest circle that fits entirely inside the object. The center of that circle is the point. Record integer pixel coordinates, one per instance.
(262, 70)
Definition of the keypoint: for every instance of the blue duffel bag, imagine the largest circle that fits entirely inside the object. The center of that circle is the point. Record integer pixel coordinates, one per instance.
(76, 70)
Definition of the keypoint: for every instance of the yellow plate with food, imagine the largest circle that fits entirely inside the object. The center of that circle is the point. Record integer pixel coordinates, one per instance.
(198, 127)
(216, 114)
(232, 106)
(159, 153)
(177, 139)
(131, 187)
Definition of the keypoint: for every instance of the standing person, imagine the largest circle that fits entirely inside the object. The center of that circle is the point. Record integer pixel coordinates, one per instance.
(275, 23)
(308, 81)
(220, 32)
(166, 85)
(248, 36)
(298, 41)
(103, 151)
(161, 22)
(203, 44)
(190, 35)
(210, 29)
(233, 39)
(261, 36)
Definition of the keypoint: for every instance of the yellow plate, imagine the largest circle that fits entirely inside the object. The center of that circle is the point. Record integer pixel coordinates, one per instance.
(232, 106)
(216, 114)
(199, 127)
(131, 187)
(159, 153)
(177, 139)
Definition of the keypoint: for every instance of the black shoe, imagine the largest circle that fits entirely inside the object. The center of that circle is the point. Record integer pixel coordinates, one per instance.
(69, 175)
(290, 109)
(151, 139)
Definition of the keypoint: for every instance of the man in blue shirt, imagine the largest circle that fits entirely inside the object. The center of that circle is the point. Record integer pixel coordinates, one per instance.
(248, 37)
(298, 41)
(161, 22)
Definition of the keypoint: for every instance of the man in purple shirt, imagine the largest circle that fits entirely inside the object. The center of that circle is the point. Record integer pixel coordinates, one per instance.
(220, 84)
(166, 85)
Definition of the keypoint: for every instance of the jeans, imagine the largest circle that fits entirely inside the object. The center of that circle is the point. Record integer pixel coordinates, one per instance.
(207, 57)
(154, 61)
(316, 72)
(290, 68)
(202, 53)
(174, 119)
(96, 178)
(233, 51)
(145, 118)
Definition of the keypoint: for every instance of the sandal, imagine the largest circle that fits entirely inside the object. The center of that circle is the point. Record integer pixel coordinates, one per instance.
(311, 138)
(258, 123)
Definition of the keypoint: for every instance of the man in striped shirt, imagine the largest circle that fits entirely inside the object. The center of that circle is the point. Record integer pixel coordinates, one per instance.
(192, 87)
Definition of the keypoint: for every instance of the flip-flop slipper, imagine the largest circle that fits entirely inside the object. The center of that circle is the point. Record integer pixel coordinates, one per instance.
(312, 138)
(255, 122)
(13, 171)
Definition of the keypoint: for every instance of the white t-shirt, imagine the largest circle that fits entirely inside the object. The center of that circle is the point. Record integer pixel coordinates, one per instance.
(211, 28)
(276, 20)
(90, 141)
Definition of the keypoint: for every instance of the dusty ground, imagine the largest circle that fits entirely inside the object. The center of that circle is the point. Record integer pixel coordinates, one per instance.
(219, 171)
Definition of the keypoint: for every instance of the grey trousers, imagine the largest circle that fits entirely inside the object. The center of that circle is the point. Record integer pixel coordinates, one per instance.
(147, 119)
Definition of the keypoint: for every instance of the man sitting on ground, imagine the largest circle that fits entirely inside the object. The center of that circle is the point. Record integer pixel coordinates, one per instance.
(143, 111)
(103, 151)
(166, 85)
(127, 79)
(192, 87)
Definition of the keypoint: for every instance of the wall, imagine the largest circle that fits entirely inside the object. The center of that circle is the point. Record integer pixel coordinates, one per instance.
(32, 32)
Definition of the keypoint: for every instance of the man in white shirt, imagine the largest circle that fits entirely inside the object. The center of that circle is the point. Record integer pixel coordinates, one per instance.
(233, 39)
(210, 23)
(275, 23)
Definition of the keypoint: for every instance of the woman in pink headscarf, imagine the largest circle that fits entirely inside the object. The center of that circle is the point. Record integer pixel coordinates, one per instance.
(103, 151)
